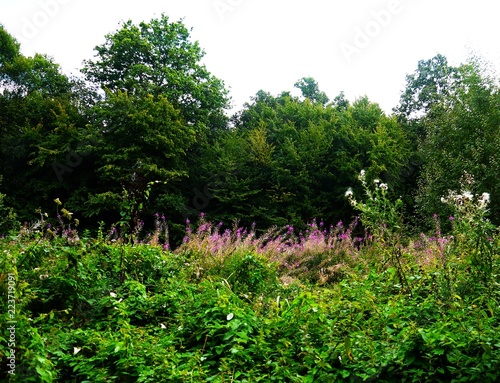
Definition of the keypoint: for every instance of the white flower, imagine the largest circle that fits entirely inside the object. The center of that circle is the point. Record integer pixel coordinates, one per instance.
(467, 195)
(383, 186)
(444, 200)
(484, 200)
(349, 193)
(44, 276)
(76, 350)
(162, 325)
(376, 181)
(230, 316)
(362, 174)
(112, 294)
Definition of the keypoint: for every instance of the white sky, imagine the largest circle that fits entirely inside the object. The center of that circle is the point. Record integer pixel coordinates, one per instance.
(259, 44)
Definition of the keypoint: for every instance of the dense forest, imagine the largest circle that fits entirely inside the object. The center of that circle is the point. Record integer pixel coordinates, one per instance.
(151, 236)
(144, 130)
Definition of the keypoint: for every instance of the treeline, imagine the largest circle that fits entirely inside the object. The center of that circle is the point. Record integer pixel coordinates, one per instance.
(145, 130)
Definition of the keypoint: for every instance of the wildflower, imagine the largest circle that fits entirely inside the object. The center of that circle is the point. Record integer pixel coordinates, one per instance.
(44, 276)
(58, 201)
(230, 316)
(362, 174)
(76, 350)
(486, 197)
(112, 294)
(467, 195)
(383, 186)
(376, 181)
(162, 325)
(349, 193)
(451, 218)
(484, 200)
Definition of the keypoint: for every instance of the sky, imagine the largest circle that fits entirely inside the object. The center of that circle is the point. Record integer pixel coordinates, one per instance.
(360, 47)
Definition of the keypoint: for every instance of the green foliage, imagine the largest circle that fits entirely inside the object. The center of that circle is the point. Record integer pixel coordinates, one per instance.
(309, 88)
(289, 160)
(381, 217)
(305, 302)
(158, 58)
(93, 310)
(473, 232)
(454, 130)
(8, 218)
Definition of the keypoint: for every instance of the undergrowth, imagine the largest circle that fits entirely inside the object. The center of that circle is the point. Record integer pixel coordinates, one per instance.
(227, 305)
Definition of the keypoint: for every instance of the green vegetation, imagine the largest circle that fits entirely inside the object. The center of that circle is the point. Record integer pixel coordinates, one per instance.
(299, 267)
(226, 305)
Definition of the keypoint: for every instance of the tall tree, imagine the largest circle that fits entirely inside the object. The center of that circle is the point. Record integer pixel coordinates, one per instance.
(310, 89)
(161, 108)
(463, 136)
(39, 122)
(156, 58)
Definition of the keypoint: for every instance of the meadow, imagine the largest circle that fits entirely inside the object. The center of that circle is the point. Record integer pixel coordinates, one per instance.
(363, 301)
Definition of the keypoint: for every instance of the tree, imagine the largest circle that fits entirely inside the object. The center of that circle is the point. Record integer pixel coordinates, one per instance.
(9, 49)
(290, 160)
(462, 135)
(432, 82)
(159, 58)
(310, 90)
(40, 121)
(161, 107)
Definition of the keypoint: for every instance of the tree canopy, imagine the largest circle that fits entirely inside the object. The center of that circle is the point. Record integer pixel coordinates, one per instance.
(145, 129)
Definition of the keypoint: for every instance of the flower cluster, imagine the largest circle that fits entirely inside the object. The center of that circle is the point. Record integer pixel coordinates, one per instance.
(378, 214)
(465, 200)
